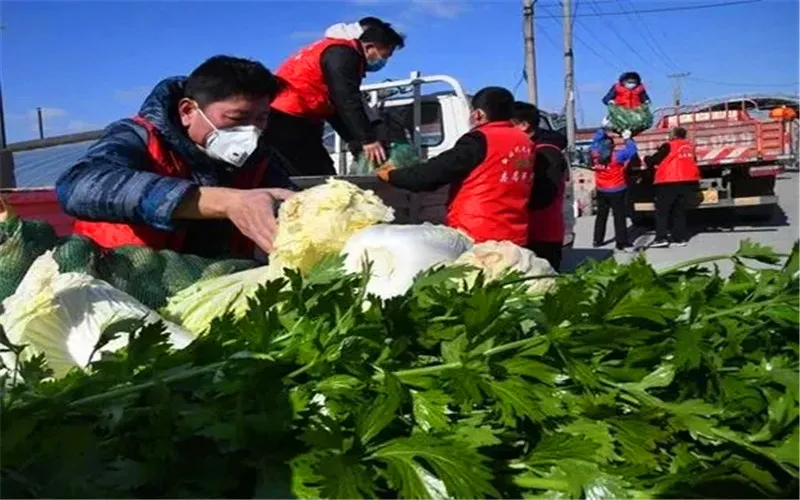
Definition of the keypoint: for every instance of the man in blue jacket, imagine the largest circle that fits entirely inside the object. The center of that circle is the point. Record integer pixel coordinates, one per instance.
(189, 172)
(611, 184)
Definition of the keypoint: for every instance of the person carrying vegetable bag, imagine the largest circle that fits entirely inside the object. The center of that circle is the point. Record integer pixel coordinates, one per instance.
(676, 182)
(551, 172)
(189, 172)
(323, 83)
(611, 185)
(489, 170)
(628, 104)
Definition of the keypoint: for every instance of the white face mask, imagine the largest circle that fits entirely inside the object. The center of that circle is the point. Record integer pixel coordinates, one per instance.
(630, 85)
(233, 145)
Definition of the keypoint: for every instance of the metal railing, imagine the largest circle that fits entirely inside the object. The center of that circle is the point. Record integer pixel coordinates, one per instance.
(8, 178)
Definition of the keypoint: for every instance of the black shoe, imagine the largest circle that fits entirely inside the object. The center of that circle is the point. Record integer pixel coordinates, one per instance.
(596, 245)
(662, 243)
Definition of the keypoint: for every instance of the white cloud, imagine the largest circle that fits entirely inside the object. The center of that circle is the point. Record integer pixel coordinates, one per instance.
(56, 121)
(410, 11)
(135, 93)
(445, 9)
(305, 35)
(75, 126)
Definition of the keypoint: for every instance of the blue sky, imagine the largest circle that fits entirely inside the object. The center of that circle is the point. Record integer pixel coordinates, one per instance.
(90, 62)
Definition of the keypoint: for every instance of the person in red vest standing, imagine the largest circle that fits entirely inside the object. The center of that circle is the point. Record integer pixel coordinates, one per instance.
(489, 170)
(551, 173)
(187, 173)
(628, 92)
(676, 181)
(323, 83)
(611, 185)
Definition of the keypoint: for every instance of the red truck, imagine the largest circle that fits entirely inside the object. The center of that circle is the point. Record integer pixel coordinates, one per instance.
(742, 144)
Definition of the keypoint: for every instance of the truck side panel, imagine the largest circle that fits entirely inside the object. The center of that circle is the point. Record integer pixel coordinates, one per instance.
(39, 204)
(724, 143)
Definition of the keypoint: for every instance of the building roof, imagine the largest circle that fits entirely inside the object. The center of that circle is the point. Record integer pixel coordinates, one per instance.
(41, 167)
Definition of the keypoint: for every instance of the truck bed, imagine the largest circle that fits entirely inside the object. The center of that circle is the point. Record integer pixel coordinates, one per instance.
(721, 143)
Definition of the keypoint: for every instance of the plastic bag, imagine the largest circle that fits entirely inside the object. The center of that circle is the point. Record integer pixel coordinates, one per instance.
(399, 252)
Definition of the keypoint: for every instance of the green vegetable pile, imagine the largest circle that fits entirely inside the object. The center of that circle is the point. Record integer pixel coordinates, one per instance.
(622, 382)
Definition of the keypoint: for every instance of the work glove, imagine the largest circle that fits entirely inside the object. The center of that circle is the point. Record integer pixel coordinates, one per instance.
(612, 102)
(626, 134)
(384, 171)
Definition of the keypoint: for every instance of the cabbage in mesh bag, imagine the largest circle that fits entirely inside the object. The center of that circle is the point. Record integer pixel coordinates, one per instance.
(62, 316)
(150, 276)
(21, 242)
(634, 119)
(401, 154)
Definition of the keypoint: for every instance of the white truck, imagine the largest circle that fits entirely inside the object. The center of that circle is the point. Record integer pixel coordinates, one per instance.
(438, 112)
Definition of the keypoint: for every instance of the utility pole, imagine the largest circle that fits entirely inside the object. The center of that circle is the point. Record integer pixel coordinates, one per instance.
(2, 121)
(676, 86)
(530, 50)
(7, 178)
(2, 113)
(569, 76)
(40, 119)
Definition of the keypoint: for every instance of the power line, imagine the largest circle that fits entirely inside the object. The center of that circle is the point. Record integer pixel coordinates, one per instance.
(664, 9)
(587, 45)
(630, 47)
(549, 37)
(519, 82)
(649, 38)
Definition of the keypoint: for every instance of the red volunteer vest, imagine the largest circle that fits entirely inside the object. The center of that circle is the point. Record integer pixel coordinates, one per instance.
(611, 176)
(165, 162)
(306, 93)
(679, 165)
(628, 98)
(492, 202)
(547, 223)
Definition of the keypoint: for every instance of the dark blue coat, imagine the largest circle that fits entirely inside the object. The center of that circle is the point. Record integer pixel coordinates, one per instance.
(113, 181)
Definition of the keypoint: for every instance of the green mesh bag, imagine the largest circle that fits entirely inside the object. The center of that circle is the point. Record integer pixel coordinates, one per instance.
(150, 276)
(634, 119)
(20, 243)
(401, 154)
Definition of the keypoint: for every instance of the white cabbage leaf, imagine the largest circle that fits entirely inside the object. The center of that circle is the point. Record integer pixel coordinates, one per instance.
(317, 222)
(398, 253)
(196, 306)
(62, 316)
(497, 258)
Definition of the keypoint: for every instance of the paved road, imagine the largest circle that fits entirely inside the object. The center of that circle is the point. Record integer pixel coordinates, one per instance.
(713, 231)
